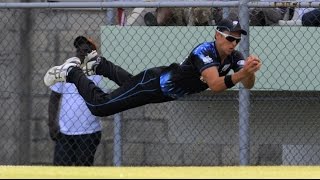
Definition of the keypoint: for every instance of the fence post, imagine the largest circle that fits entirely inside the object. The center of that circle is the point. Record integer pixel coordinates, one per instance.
(26, 88)
(225, 11)
(117, 150)
(117, 140)
(244, 99)
(110, 15)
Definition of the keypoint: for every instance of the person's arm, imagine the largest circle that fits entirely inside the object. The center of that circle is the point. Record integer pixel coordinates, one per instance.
(216, 83)
(53, 123)
(249, 81)
(245, 75)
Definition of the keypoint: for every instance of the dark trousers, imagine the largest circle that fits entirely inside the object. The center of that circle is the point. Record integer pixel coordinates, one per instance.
(311, 18)
(78, 150)
(134, 91)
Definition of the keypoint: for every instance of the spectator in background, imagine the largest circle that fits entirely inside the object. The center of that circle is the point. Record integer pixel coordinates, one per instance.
(165, 16)
(266, 16)
(76, 132)
(311, 18)
(200, 16)
(261, 16)
(170, 16)
(308, 16)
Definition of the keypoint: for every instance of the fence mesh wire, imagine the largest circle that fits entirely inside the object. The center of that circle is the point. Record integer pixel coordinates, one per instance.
(202, 129)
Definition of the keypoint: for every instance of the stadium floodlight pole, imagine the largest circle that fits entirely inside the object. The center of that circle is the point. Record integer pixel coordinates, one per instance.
(244, 95)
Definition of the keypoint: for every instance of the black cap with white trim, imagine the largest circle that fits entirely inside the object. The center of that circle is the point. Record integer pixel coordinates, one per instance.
(231, 26)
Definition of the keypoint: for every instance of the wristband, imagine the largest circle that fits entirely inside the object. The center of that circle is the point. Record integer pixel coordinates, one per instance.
(228, 81)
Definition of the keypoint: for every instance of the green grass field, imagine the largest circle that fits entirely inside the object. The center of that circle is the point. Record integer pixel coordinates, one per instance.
(233, 172)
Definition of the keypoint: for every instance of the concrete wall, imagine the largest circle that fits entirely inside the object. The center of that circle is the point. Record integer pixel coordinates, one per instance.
(206, 132)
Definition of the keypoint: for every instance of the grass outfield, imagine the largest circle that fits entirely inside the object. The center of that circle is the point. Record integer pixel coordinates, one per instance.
(235, 172)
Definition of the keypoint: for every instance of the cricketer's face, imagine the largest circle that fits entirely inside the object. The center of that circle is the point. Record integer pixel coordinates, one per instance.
(227, 41)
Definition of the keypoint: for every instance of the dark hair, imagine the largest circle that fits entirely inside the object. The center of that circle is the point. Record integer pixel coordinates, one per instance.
(83, 40)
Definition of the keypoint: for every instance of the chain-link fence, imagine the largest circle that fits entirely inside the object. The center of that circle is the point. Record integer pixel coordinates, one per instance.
(275, 123)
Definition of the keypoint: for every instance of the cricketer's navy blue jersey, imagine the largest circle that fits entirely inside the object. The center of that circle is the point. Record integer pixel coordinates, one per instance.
(185, 78)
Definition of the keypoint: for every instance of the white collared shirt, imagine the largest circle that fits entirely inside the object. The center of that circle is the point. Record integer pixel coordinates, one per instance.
(75, 118)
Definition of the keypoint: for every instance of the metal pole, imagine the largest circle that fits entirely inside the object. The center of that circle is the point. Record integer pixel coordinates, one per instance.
(117, 151)
(120, 4)
(244, 99)
(225, 11)
(110, 16)
(26, 86)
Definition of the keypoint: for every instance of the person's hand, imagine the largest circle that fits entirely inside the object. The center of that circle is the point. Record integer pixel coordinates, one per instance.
(252, 65)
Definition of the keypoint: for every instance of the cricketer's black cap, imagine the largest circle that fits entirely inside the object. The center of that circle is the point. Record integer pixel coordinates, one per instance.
(231, 26)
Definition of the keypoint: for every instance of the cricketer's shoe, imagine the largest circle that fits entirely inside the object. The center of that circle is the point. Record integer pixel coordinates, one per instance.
(59, 73)
(91, 61)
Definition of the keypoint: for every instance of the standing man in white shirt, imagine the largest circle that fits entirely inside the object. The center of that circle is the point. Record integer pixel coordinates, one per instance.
(76, 132)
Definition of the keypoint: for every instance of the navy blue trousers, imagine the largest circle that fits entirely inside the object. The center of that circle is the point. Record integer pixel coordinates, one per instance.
(134, 91)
